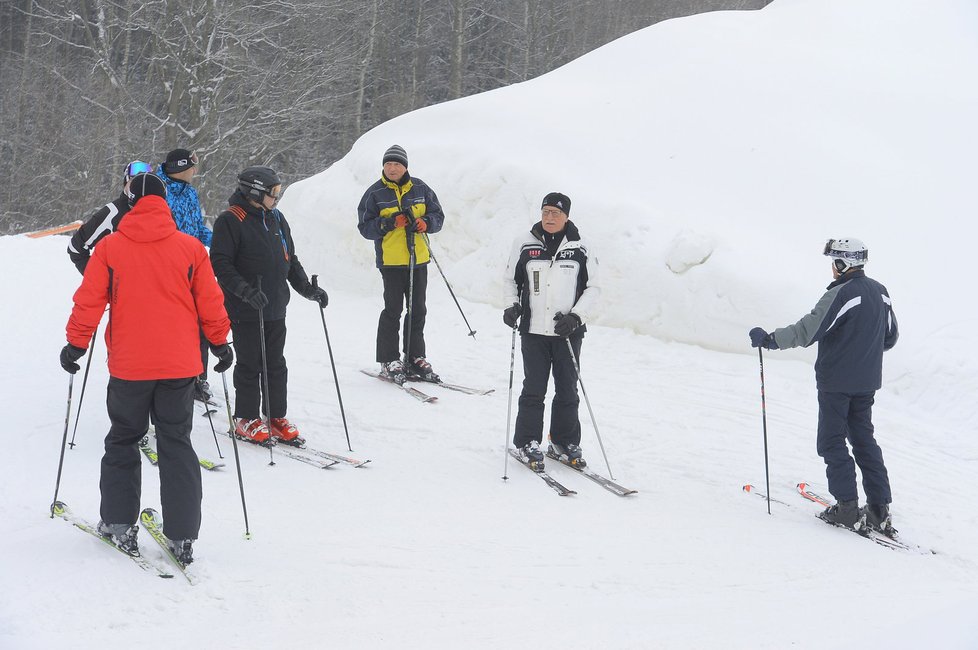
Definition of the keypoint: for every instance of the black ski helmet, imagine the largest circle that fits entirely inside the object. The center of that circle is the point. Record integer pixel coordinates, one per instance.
(256, 182)
(144, 184)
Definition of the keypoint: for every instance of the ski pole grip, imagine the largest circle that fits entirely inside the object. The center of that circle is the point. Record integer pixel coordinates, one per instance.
(315, 281)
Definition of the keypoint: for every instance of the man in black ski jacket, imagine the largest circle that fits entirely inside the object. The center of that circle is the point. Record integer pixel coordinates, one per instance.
(853, 324)
(103, 221)
(253, 240)
(551, 284)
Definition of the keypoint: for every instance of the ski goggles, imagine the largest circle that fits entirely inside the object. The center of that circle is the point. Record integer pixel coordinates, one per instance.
(276, 192)
(183, 163)
(854, 256)
(137, 167)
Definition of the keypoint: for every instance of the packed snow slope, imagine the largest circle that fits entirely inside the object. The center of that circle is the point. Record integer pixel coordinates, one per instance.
(708, 159)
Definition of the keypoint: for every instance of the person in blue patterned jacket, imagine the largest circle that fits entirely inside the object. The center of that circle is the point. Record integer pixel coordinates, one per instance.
(853, 324)
(177, 172)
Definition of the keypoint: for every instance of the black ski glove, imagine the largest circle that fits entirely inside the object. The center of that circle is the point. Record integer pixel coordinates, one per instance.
(224, 355)
(761, 339)
(69, 355)
(318, 294)
(512, 314)
(254, 297)
(566, 323)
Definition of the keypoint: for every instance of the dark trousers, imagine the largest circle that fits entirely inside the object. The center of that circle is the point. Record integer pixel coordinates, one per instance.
(130, 404)
(541, 354)
(841, 417)
(249, 400)
(204, 347)
(396, 294)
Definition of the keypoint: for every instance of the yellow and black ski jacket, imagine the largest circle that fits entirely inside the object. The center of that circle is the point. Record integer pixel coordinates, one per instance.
(386, 199)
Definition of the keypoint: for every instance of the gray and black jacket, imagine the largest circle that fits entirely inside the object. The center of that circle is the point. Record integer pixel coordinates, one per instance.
(853, 324)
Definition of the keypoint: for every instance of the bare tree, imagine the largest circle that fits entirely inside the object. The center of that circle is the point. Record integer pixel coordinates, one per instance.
(86, 85)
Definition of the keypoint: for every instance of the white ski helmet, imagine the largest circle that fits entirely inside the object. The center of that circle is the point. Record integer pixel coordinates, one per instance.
(846, 253)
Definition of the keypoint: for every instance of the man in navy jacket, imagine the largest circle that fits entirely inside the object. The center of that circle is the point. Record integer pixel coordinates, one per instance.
(853, 324)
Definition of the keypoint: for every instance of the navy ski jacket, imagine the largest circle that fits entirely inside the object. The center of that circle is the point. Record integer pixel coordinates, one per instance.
(853, 324)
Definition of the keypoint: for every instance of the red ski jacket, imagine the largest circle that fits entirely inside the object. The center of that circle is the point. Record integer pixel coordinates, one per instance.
(160, 288)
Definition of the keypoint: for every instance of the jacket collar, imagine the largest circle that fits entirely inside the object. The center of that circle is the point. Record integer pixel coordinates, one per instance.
(845, 277)
(401, 187)
(242, 202)
(571, 232)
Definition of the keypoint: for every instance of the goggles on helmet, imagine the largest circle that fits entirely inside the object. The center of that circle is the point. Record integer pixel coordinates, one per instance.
(137, 167)
(835, 250)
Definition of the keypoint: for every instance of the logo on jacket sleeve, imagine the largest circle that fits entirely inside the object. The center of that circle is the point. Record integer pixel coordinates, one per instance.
(534, 252)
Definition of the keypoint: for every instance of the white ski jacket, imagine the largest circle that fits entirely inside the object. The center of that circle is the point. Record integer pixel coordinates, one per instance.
(545, 284)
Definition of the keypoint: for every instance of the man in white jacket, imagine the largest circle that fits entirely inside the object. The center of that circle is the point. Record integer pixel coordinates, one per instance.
(551, 283)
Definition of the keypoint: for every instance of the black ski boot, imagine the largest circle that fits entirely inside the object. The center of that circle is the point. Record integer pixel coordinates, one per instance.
(393, 371)
(421, 369)
(182, 549)
(843, 513)
(202, 391)
(877, 517)
(122, 535)
(531, 455)
(571, 454)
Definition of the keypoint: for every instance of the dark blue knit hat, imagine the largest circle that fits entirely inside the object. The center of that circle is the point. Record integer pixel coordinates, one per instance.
(557, 200)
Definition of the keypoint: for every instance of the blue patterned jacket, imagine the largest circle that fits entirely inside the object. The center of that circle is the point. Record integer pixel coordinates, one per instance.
(185, 206)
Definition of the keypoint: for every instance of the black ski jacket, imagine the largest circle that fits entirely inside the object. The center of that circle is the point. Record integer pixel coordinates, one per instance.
(100, 223)
(249, 242)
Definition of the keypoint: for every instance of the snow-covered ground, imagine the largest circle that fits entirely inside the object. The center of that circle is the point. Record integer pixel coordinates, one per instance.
(708, 158)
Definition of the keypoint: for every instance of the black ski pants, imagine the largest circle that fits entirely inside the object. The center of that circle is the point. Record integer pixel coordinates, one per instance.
(541, 354)
(205, 346)
(249, 400)
(397, 292)
(130, 404)
(845, 416)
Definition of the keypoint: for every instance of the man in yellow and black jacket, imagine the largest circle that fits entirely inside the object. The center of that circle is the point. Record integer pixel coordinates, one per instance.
(397, 212)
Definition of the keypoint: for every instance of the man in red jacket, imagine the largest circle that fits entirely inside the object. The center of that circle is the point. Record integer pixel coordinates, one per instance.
(161, 290)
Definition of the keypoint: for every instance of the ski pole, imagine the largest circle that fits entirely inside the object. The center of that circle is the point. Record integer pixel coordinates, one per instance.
(509, 406)
(447, 284)
(412, 262)
(264, 376)
(81, 397)
(577, 371)
(64, 440)
(336, 380)
(767, 476)
(213, 430)
(237, 460)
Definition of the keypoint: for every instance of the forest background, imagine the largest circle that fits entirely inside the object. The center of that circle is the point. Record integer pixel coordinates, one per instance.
(88, 85)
